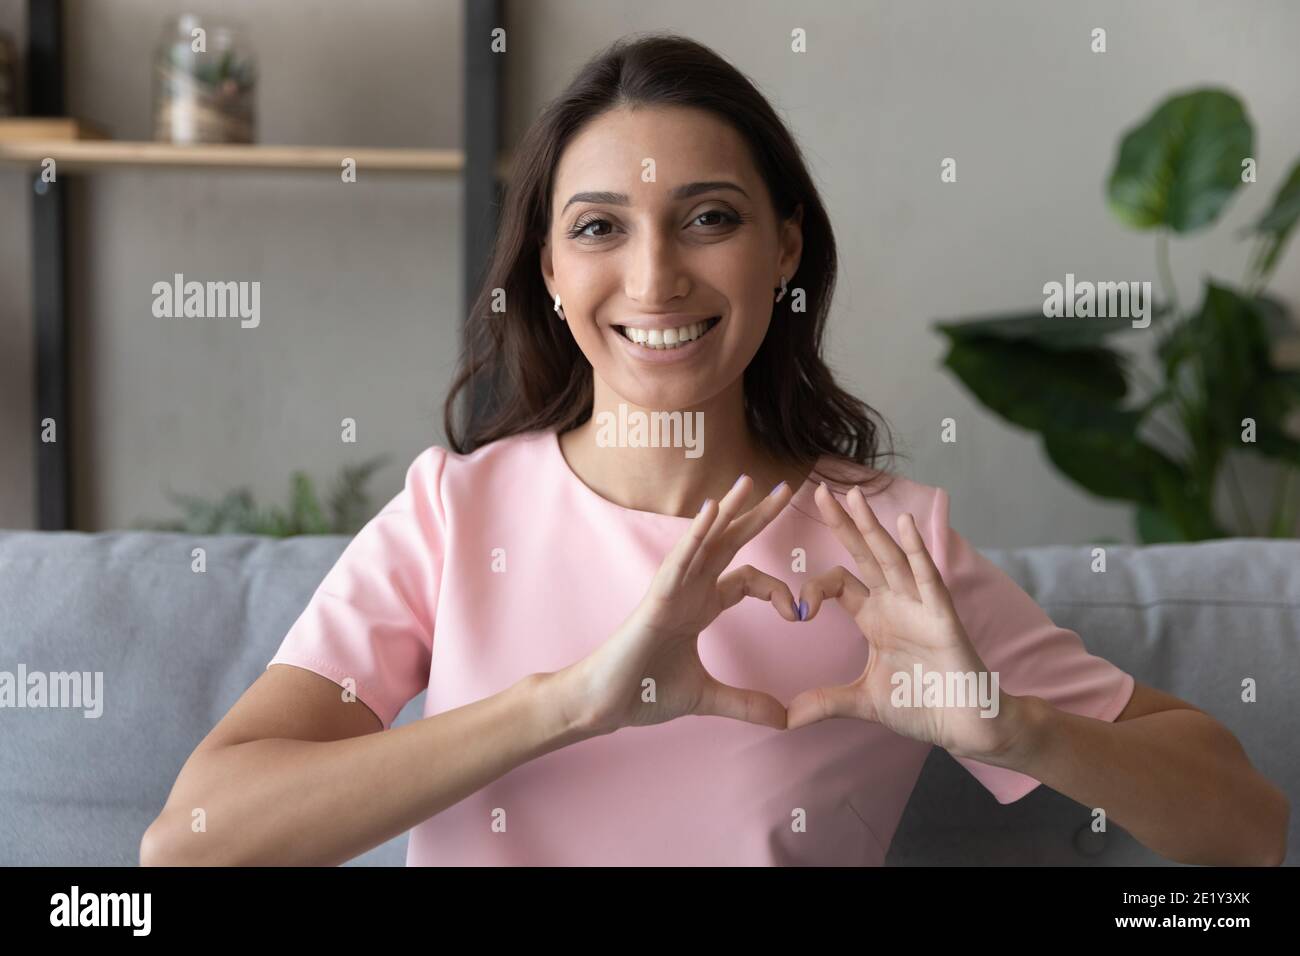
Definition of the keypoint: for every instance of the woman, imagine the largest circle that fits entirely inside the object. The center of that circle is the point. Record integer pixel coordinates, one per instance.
(554, 582)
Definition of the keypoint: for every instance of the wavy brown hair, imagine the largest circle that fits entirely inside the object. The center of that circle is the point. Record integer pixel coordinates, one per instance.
(520, 370)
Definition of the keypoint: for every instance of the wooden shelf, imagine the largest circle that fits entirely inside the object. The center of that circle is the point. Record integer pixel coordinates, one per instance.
(91, 155)
(25, 129)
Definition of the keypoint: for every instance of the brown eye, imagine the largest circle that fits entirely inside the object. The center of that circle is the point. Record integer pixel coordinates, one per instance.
(579, 227)
(726, 217)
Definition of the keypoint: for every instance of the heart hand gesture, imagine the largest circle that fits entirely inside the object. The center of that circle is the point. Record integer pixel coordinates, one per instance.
(649, 671)
(904, 610)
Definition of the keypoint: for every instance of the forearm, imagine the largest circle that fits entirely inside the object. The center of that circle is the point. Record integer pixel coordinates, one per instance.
(1177, 780)
(312, 803)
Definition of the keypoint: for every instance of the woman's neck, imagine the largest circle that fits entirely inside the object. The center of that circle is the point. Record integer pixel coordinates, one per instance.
(668, 463)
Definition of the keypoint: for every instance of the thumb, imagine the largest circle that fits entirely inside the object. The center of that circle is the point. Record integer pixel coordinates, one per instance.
(739, 703)
(820, 703)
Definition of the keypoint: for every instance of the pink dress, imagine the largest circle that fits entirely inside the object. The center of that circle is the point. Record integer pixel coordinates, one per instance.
(501, 563)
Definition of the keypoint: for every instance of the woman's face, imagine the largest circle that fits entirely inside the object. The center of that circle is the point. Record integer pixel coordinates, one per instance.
(659, 220)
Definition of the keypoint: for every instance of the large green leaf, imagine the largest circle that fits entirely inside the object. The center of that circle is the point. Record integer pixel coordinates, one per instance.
(1289, 382)
(1186, 520)
(1109, 460)
(1235, 354)
(1227, 330)
(1156, 527)
(1271, 402)
(1227, 340)
(1273, 444)
(1280, 219)
(1112, 463)
(1181, 165)
(1041, 388)
(1050, 332)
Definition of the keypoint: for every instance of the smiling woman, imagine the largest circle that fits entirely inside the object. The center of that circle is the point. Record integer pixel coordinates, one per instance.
(661, 208)
(663, 249)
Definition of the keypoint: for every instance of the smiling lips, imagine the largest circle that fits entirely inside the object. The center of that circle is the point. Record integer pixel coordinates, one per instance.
(667, 339)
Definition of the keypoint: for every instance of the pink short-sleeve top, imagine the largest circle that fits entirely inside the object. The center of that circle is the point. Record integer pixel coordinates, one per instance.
(497, 564)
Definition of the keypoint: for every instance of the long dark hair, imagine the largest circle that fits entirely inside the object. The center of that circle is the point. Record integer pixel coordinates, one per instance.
(523, 369)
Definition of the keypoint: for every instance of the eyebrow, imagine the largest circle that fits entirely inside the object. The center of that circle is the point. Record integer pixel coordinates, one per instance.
(681, 192)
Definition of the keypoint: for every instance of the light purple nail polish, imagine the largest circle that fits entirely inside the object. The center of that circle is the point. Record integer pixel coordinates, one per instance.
(803, 610)
(740, 479)
(776, 489)
(703, 506)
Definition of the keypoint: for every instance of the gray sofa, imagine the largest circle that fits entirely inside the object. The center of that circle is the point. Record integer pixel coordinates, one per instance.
(177, 648)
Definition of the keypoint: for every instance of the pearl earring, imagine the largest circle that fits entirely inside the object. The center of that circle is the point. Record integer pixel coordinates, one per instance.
(782, 295)
(559, 311)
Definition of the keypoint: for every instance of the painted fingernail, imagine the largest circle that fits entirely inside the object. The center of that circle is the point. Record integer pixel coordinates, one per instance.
(740, 479)
(776, 489)
(703, 506)
(803, 610)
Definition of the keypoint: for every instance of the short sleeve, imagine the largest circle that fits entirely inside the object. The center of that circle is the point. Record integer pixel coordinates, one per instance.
(1016, 638)
(371, 618)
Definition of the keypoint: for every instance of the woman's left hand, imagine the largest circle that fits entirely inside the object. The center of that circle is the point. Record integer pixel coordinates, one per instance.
(904, 610)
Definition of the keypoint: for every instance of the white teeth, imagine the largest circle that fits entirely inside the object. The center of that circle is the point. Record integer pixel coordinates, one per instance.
(666, 338)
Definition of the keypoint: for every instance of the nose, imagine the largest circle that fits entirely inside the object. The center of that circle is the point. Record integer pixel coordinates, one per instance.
(655, 275)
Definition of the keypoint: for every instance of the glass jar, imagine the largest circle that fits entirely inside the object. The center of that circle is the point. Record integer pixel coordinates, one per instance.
(204, 83)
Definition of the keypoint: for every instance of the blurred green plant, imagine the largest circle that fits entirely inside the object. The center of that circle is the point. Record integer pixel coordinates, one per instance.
(348, 508)
(213, 69)
(1175, 172)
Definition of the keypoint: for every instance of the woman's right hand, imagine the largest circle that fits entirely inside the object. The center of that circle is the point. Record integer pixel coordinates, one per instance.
(609, 688)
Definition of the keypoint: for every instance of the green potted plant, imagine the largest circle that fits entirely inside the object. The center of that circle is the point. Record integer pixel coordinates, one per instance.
(1162, 443)
(236, 513)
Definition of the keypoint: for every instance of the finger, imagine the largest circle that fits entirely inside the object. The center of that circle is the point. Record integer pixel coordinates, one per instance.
(846, 530)
(748, 581)
(728, 508)
(810, 706)
(889, 556)
(934, 593)
(837, 584)
(739, 703)
(747, 526)
(682, 555)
